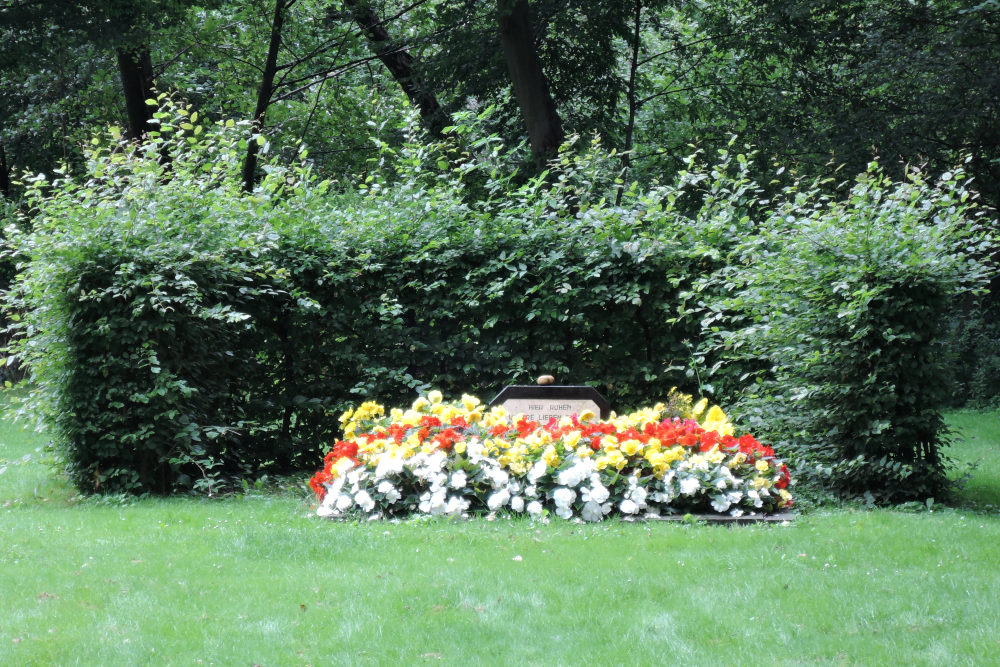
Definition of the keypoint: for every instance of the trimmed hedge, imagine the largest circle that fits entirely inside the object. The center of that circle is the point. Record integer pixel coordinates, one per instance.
(182, 334)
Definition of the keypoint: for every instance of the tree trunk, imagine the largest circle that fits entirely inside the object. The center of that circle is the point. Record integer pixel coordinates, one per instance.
(399, 62)
(531, 88)
(633, 105)
(136, 69)
(265, 92)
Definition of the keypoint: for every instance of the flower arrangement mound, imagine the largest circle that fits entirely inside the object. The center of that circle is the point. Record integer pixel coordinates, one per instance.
(441, 458)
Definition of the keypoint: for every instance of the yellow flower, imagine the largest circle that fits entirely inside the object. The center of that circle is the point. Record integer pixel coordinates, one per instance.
(601, 462)
(698, 408)
(675, 453)
(716, 420)
(469, 402)
(761, 465)
(584, 452)
(571, 440)
(420, 404)
(346, 415)
(714, 455)
(496, 415)
(759, 482)
(519, 466)
(616, 459)
(551, 457)
(658, 460)
(586, 416)
(631, 447)
(459, 447)
(435, 396)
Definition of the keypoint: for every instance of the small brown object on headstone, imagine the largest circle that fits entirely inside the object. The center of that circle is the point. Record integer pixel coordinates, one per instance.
(546, 379)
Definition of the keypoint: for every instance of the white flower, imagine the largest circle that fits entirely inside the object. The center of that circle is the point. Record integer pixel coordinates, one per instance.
(388, 464)
(662, 497)
(517, 504)
(458, 480)
(592, 511)
(438, 502)
(575, 474)
(474, 449)
(390, 492)
(364, 501)
(440, 480)
(531, 491)
(498, 499)
(343, 502)
(628, 507)
(564, 497)
(598, 493)
(721, 503)
(497, 477)
(639, 495)
(534, 508)
(564, 512)
(537, 471)
(690, 486)
(456, 505)
(755, 497)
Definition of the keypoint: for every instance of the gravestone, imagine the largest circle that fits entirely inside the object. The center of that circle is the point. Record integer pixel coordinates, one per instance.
(543, 401)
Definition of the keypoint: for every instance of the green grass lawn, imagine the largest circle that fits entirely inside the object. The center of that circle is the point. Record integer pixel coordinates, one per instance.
(258, 580)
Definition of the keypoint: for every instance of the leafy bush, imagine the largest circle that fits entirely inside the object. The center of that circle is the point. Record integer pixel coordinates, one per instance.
(846, 303)
(181, 332)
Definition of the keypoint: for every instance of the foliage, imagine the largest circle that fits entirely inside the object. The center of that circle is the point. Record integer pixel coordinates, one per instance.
(844, 303)
(972, 351)
(181, 332)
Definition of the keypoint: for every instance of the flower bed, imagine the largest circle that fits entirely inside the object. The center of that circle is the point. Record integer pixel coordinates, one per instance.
(440, 458)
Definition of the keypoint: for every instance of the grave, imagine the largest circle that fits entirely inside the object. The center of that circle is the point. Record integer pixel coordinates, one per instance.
(545, 400)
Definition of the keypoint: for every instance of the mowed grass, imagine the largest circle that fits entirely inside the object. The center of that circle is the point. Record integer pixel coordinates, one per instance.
(258, 580)
(977, 442)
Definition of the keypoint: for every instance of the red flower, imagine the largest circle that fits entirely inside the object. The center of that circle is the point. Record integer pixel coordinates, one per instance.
(347, 448)
(446, 438)
(782, 483)
(317, 481)
(431, 421)
(525, 427)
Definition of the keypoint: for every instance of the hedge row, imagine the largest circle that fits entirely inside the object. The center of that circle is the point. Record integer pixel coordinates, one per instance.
(181, 333)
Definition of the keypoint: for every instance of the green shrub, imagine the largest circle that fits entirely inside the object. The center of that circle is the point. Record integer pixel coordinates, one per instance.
(846, 304)
(181, 333)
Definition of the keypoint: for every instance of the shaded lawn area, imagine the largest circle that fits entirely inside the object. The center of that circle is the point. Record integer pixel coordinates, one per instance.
(256, 579)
